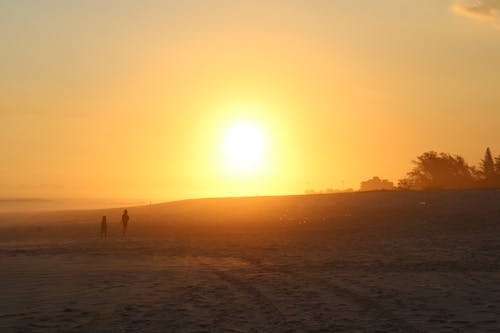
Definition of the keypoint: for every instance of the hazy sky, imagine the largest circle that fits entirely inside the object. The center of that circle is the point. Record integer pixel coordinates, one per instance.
(130, 99)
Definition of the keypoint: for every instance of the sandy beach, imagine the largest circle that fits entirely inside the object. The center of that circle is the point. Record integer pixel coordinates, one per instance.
(249, 166)
(359, 262)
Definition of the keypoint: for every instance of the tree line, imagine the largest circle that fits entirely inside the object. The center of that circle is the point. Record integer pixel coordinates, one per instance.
(434, 170)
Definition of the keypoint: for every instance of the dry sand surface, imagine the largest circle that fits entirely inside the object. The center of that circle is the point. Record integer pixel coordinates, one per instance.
(379, 261)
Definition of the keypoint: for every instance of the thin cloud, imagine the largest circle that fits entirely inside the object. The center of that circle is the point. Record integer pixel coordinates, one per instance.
(485, 10)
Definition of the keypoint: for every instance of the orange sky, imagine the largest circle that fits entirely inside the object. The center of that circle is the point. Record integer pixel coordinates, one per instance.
(128, 99)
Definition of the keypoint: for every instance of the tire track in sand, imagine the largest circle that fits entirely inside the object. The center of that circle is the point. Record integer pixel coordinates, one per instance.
(344, 289)
(372, 308)
(272, 314)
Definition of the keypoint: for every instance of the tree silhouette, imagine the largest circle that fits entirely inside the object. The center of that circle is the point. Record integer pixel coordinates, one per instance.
(439, 171)
(495, 178)
(487, 169)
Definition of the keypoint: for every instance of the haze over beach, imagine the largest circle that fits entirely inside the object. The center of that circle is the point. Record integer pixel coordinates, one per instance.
(250, 166)
(134, 100)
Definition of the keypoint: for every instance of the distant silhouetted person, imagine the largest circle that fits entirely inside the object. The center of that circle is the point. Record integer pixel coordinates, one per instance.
(104, 228)
(125, 219)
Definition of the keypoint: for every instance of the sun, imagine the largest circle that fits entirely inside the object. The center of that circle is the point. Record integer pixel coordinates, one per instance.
(244, 148)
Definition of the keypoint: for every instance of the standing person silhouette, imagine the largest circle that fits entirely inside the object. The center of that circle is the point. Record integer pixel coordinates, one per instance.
(125, 219)
(104, 228)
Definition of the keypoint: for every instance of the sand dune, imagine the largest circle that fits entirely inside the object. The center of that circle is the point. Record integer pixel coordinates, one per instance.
(380, 261)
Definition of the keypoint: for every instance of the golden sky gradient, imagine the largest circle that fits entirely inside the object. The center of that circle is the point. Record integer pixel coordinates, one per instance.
(132, 99)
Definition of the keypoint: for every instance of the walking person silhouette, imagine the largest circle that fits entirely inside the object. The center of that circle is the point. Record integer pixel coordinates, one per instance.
(125, 219)
(104, 228)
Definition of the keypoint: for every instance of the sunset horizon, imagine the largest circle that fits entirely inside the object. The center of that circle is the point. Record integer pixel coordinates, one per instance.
(133, 101)
(252, 166)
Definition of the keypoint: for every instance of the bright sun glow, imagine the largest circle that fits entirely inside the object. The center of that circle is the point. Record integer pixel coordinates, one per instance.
(244, 148)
